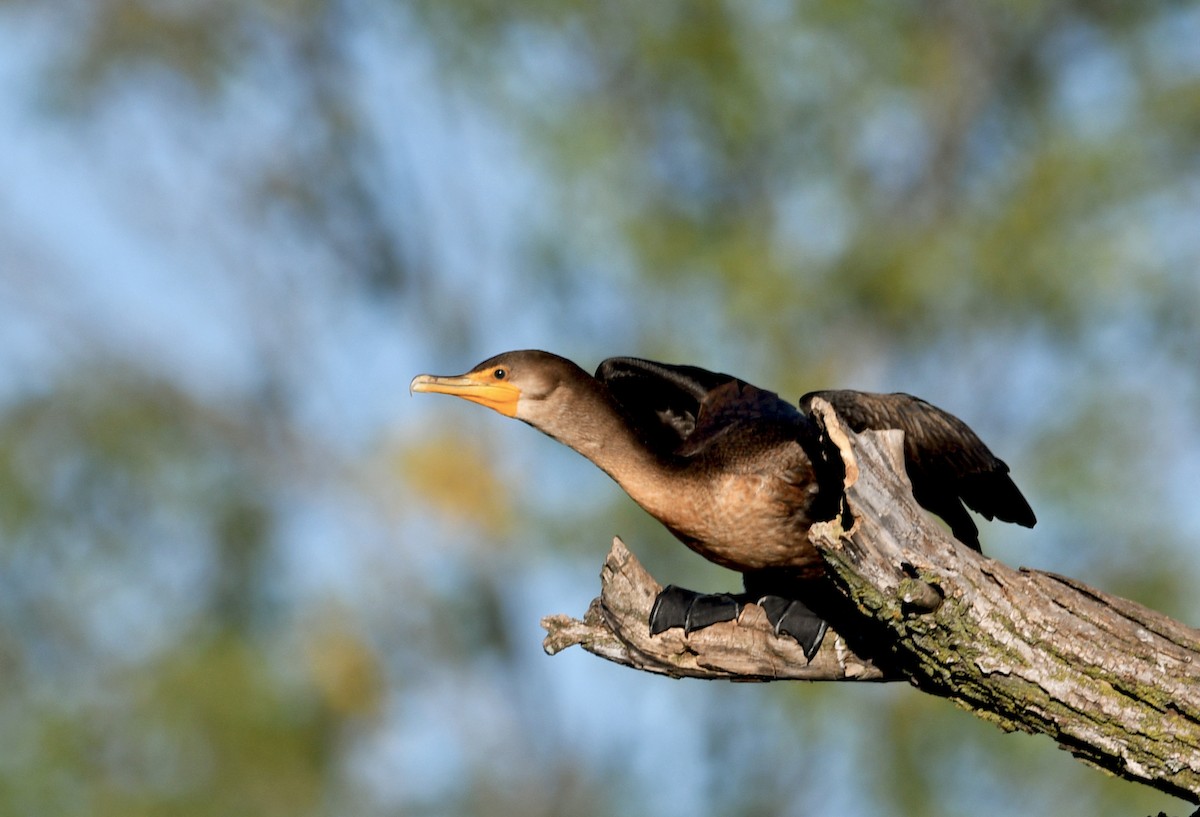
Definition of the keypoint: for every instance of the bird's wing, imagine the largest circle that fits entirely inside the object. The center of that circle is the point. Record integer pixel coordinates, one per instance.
(946, 461)
(743, 414)
(662, 401)
(685, 410)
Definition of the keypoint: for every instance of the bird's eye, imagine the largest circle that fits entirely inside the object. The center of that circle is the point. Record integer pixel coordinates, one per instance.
(500, 374)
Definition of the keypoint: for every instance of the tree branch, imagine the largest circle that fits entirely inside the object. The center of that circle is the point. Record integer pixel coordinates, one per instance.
(615, 627)
(1115, 683)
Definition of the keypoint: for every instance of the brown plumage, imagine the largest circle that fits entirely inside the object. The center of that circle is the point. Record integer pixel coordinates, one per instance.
(736, 472)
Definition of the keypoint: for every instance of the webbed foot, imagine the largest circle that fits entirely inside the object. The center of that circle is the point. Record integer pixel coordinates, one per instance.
(792, 617)
(679, 607)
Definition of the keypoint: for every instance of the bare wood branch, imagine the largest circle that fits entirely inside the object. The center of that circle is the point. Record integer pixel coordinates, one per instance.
(615, 627)
(1115, 683)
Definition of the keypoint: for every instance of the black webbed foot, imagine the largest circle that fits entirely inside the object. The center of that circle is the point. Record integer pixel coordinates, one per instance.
(679, 607)
(792, 617)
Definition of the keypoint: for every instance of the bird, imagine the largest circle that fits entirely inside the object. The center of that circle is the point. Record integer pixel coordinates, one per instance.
(735, 472)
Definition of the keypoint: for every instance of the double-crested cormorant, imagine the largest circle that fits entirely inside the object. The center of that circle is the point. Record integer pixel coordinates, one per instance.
(735, 472)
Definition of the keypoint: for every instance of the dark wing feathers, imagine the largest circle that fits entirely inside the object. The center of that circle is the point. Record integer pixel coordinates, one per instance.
(685, 410)
(752, 411)
(662, 401)
(946, 461)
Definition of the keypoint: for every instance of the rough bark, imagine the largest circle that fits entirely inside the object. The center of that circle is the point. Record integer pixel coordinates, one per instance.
(1115, 683)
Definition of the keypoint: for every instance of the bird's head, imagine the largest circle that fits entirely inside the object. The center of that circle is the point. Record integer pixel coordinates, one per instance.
(516, 384)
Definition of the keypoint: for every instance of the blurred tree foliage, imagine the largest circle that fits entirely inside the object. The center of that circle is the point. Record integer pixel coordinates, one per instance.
(995, 201)
(136, 530)
(917, 166)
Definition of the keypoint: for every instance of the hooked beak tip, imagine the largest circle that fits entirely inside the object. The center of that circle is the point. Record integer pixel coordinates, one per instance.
(418, 384)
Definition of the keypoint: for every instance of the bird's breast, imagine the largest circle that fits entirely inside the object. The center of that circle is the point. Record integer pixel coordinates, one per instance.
(746, 521)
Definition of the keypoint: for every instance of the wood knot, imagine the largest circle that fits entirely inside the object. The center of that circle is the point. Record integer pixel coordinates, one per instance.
(919, 597)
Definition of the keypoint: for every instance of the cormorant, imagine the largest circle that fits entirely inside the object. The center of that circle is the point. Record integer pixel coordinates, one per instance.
(735, 472)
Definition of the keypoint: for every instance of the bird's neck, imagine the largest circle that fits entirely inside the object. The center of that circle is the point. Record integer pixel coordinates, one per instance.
(589, 422)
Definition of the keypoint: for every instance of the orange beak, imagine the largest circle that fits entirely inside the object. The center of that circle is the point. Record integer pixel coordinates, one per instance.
(478, 387)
